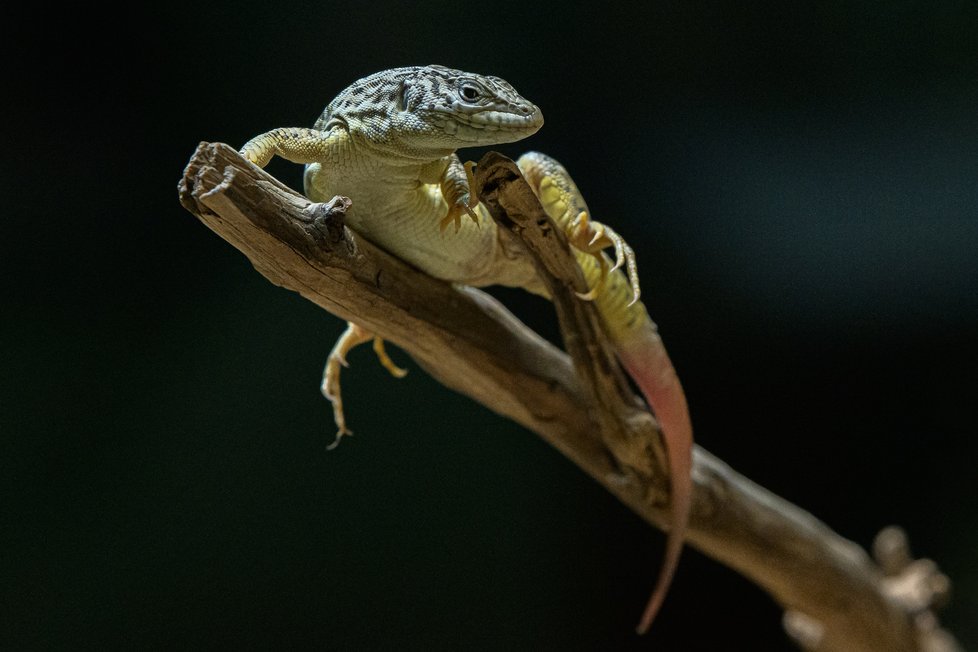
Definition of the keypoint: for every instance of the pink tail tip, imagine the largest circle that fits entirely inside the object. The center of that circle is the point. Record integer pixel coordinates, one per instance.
(648, 364)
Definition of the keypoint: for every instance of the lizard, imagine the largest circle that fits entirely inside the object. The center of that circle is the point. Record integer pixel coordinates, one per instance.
(389, 142)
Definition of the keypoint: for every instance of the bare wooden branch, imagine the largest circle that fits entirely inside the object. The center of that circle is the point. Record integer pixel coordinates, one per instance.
(828, 585)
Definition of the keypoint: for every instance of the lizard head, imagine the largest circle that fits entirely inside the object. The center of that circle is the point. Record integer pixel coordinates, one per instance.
(428, 111)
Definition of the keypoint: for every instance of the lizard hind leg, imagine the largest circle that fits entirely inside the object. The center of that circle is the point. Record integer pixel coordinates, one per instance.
(565, 205)
(353, 336)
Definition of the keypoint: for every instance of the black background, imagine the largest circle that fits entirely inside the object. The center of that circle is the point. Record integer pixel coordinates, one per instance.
(799, 183)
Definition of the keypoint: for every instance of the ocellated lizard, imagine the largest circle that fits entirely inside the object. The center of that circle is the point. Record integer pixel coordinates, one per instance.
(388, 142)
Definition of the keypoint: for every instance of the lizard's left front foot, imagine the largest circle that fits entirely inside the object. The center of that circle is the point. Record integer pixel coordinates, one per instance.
(591, 237)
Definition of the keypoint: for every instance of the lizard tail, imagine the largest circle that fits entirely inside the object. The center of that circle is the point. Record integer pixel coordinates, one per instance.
(648, 364)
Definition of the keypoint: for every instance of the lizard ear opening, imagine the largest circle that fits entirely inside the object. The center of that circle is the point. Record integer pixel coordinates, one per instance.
(402, 103)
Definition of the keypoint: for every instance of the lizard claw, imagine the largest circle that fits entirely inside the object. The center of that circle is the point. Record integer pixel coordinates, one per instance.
(592, 238)
(598, 230)
(464, 206)
(331, 390)
(593, 293)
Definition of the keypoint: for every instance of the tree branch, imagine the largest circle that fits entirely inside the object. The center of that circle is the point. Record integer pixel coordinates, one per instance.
(835, 596)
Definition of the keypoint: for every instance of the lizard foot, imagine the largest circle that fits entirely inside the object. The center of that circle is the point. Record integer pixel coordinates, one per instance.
(465, 205)
(296, 144)
(260, 149)
(385, 360)
(353, 336)
(591, 237)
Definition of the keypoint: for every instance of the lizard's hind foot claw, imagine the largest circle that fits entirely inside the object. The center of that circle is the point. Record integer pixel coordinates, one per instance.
(591, 237)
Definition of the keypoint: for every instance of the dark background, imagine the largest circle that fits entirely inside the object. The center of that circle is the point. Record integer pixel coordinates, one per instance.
(800, 186)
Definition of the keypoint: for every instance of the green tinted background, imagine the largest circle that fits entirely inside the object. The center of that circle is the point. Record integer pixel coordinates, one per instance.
(798, 182)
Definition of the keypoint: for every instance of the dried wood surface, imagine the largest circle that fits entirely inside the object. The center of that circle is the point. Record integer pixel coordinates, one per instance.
(835, 596)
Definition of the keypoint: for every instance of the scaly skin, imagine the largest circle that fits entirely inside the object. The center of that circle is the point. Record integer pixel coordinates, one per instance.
(638, 346)
(388, 142)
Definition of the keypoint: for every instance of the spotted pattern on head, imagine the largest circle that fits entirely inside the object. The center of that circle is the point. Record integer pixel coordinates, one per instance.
(423, 110)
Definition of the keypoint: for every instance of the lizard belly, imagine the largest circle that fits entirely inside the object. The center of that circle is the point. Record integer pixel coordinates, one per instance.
(409, 229)
(405, 222)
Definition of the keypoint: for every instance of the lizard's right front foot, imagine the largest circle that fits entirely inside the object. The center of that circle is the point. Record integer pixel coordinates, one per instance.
(296, 144)
(260, 149)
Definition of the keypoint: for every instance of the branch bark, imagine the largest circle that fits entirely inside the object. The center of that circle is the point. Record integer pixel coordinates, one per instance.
(835, 596)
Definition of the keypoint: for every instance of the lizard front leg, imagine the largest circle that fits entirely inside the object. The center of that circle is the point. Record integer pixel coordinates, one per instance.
(456, 181)
(296, 144)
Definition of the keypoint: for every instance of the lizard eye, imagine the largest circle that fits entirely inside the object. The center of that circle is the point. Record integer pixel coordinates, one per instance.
(469, 92)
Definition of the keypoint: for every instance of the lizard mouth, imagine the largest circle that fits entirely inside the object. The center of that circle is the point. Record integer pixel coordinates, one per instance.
(476, 126)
